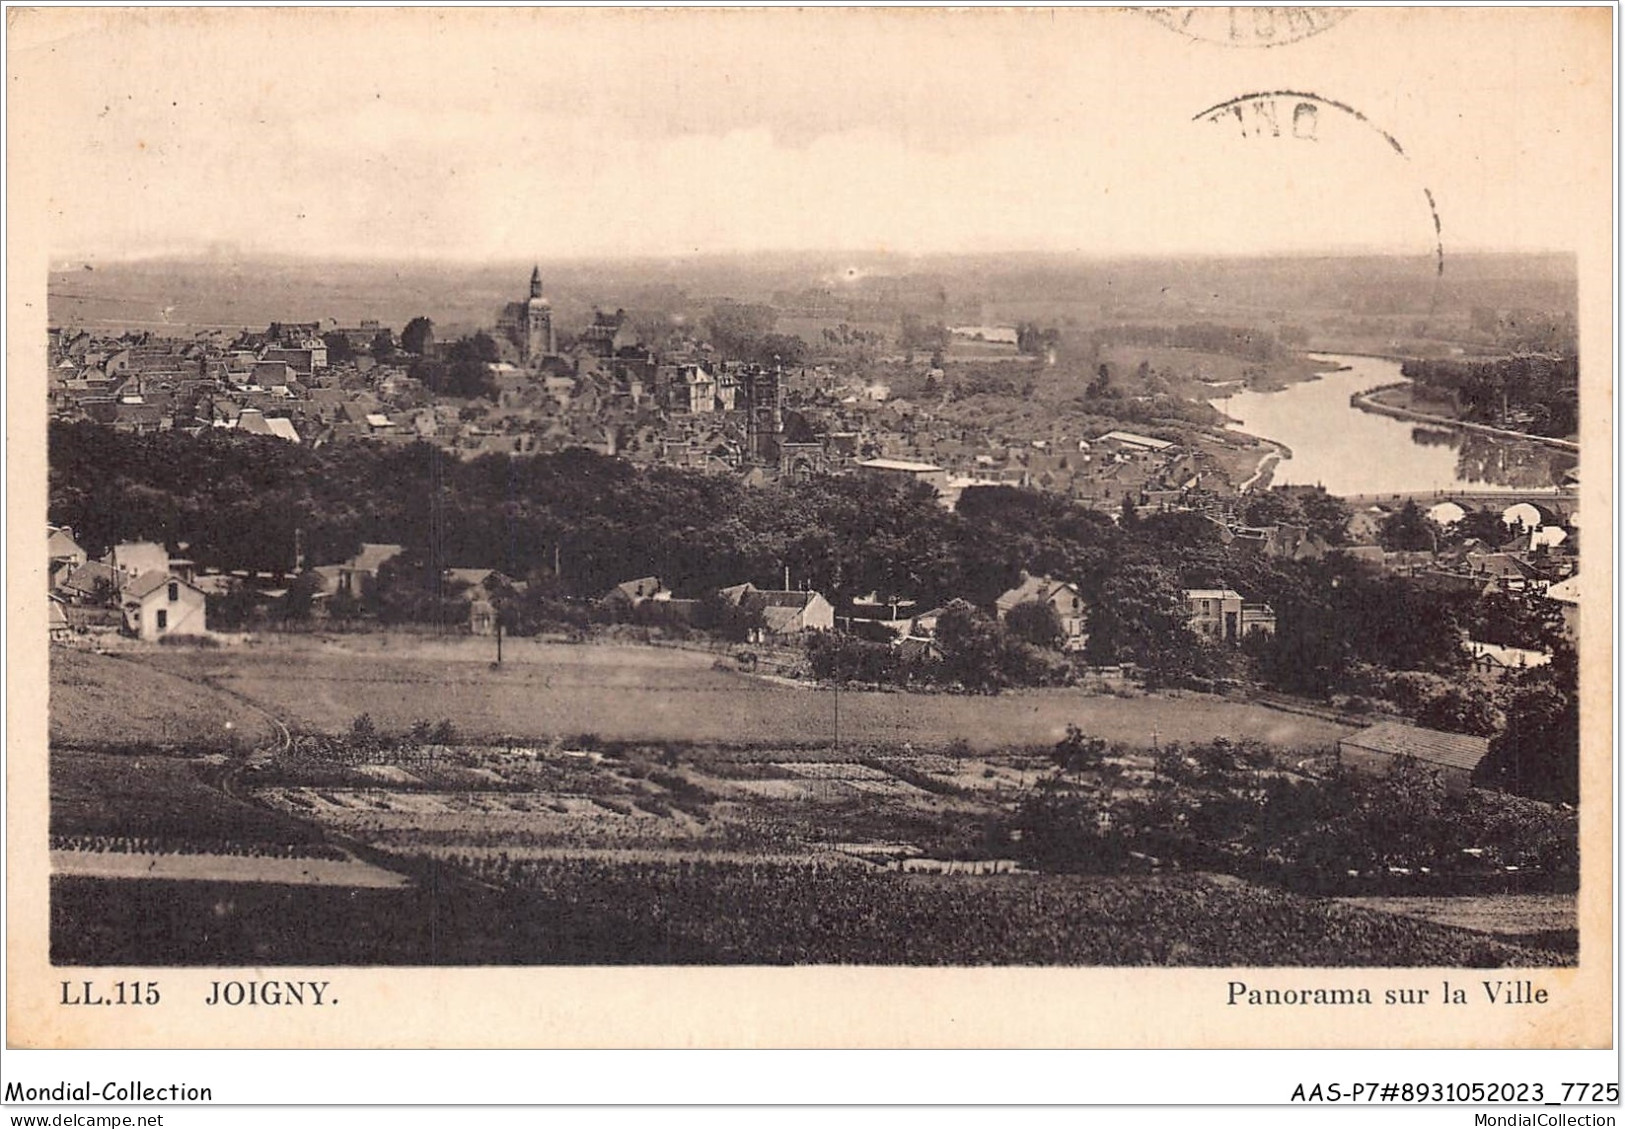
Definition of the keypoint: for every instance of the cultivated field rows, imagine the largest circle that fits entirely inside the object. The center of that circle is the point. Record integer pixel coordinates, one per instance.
(604, 804)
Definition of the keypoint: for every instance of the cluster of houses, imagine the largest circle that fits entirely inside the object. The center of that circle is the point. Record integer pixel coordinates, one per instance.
(137, 587)
(605, 393)
(783, 614)
(141, 382)
(1536, 560)
(1100, 471)
(603, 389)
(1221, 615)
(141, 590)
(775, 614)
(1540, 549)
(1156, 475)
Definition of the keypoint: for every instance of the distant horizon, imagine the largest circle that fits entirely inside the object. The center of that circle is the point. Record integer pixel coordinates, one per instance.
(73, 261)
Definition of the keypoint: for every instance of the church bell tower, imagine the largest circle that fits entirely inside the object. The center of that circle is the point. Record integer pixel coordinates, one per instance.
(539, 341)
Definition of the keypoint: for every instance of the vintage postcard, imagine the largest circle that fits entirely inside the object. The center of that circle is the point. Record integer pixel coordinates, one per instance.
(810, 528)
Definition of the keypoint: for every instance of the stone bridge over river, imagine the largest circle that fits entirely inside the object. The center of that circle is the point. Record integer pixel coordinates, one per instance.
(1556, 506)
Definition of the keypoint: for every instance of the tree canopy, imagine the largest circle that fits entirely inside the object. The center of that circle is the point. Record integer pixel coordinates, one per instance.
(417, 335)
(243, 502)
(1538, 754)
(1408, 529)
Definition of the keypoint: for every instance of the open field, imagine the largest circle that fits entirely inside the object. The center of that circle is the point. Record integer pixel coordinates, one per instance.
(1188, 367)
(632, 693)
(607, 804)
(596, 911)
(1412, 397)
(130, 817)
(98, 700)
(1545, 920)
(173, 801)
(223, 868)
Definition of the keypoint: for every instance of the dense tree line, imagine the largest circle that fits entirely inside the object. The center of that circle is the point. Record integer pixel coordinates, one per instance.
(462, 370)
(743, 331)
(916, 333)
(1034, 341)
(1321, 514)
(418, 336)
(575, 523)
(235, 502)
(242, 502)
(1543, 391)
(1247, 342)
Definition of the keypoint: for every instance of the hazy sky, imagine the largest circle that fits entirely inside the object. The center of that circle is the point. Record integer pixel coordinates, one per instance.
(551, 133)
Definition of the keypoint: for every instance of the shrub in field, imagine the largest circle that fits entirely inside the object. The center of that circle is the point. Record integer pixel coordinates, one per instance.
(200, 641)
(1070, 829)
(1225, 805)
(902, 770)
(654, 805)
(679, 786)
(1078, 751)
(845, 658)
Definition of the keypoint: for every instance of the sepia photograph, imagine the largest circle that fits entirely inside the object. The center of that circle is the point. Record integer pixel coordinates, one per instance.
(1090, 492)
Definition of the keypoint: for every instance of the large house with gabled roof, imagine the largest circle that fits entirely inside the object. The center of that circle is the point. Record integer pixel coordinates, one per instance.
(1061, 596)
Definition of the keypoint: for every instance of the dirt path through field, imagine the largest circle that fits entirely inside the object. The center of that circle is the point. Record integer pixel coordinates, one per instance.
(225, 868)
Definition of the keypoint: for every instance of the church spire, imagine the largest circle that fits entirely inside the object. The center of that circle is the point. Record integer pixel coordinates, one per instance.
(536, 281)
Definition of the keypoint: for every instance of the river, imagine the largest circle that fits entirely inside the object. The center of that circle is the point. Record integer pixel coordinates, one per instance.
(1349, 451)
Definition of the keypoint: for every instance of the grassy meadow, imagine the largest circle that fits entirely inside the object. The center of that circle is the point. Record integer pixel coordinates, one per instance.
(632, 693)
(98, 701)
